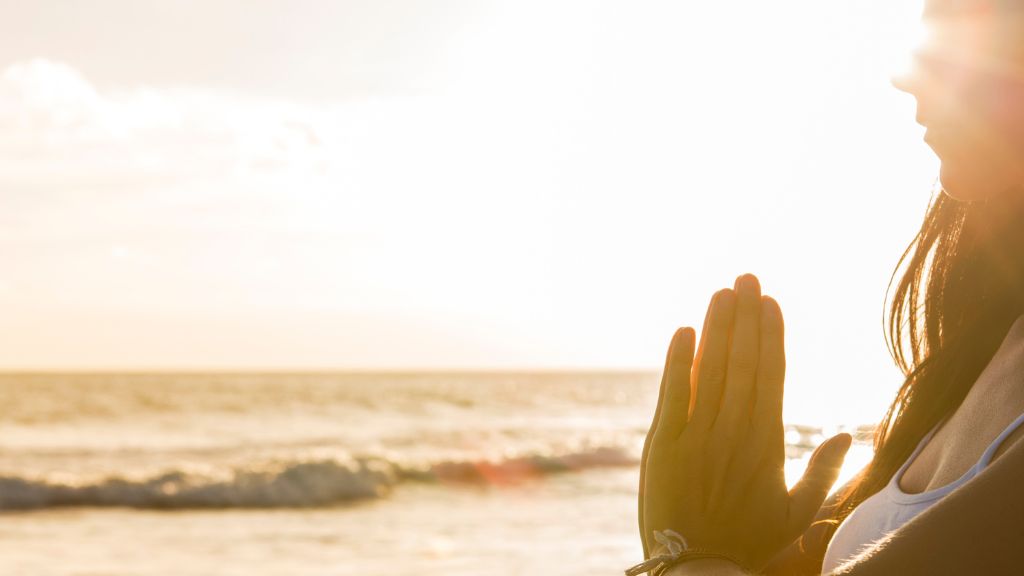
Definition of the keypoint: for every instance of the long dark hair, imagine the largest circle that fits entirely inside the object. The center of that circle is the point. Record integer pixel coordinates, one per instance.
(961, 289)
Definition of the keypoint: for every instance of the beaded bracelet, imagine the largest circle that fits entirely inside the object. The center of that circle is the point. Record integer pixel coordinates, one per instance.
(679, 551)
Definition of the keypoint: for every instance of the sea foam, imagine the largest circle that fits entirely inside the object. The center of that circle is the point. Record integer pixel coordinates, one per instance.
(293, 484)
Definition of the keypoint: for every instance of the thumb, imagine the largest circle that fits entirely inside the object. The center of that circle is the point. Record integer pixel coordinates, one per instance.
(807, 496)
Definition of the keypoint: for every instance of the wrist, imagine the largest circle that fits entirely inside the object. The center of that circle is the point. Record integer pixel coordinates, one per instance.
(706, 567)
(672, 555)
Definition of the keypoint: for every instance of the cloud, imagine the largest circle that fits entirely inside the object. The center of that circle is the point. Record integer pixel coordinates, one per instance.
(43, 94)
(58, 132)
(205, 199)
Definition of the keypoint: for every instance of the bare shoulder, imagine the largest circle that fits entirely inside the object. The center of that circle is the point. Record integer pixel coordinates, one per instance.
(974, 530)
(1011, 440)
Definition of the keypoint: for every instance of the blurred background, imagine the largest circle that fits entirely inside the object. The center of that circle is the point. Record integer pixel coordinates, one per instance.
(385, 286)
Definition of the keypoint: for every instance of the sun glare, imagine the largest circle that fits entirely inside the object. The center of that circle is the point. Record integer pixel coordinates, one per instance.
(907, 35)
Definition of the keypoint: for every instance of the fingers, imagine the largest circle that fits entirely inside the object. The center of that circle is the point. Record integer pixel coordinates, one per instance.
(768, 394)
(763, 446)
(700, 352)
(650, 435)
(711, 374)
(809, 493)
(729, 432)
(741, 372)
(657, 409)
(675, 405)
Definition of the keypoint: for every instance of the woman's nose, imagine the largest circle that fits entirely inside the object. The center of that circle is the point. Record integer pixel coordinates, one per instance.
(910, 75)
(905, 81)
(907, 77)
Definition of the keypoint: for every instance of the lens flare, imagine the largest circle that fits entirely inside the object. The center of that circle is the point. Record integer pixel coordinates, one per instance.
(910, 36)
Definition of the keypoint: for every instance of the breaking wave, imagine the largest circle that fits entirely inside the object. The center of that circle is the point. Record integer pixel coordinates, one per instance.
(291, 484)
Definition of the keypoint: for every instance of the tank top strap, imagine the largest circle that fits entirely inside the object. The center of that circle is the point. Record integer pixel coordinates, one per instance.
(990, 452)
(894, 481)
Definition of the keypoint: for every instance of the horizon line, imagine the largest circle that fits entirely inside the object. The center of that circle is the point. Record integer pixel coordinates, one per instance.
(331, 370)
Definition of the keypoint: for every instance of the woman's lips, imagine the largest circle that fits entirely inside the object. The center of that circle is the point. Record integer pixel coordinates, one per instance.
(929, 139)
(941, 144)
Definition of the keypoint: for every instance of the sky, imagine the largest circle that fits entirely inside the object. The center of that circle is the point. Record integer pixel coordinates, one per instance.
(478, 184)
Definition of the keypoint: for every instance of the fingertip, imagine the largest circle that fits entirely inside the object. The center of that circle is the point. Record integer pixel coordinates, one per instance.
(771, 312)
(844, 440)
(747, 282)
(682, 341)
(685, 339)
(689, 335)
(725, 296)
(835, 448)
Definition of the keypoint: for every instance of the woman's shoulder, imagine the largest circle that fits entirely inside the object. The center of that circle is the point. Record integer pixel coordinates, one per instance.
(1011, 440)
(974, 530)
(1008, 393)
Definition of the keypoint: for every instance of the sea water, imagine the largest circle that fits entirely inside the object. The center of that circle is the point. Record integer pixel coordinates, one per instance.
(326, 474)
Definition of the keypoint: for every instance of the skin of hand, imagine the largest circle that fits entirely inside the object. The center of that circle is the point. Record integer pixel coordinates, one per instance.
(713, 462)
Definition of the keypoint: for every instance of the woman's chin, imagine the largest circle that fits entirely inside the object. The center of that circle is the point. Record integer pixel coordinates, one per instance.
(963, 188)
(951, 187)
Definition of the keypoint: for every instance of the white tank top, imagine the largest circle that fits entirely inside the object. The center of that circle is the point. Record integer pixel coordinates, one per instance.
(891, 507)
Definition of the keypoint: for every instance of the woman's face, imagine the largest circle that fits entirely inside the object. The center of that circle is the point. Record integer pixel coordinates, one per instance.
(968, 79)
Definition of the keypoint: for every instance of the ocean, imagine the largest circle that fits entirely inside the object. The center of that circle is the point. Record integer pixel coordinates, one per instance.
(328, 474)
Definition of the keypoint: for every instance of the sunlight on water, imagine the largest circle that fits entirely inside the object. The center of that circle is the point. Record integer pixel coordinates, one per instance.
(283, 471)
(856, 459)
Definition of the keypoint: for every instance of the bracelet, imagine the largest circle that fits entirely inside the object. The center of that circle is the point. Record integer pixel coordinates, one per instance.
(679, 551)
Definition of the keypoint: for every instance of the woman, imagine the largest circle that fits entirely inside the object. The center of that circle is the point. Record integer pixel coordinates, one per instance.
(944, 493)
